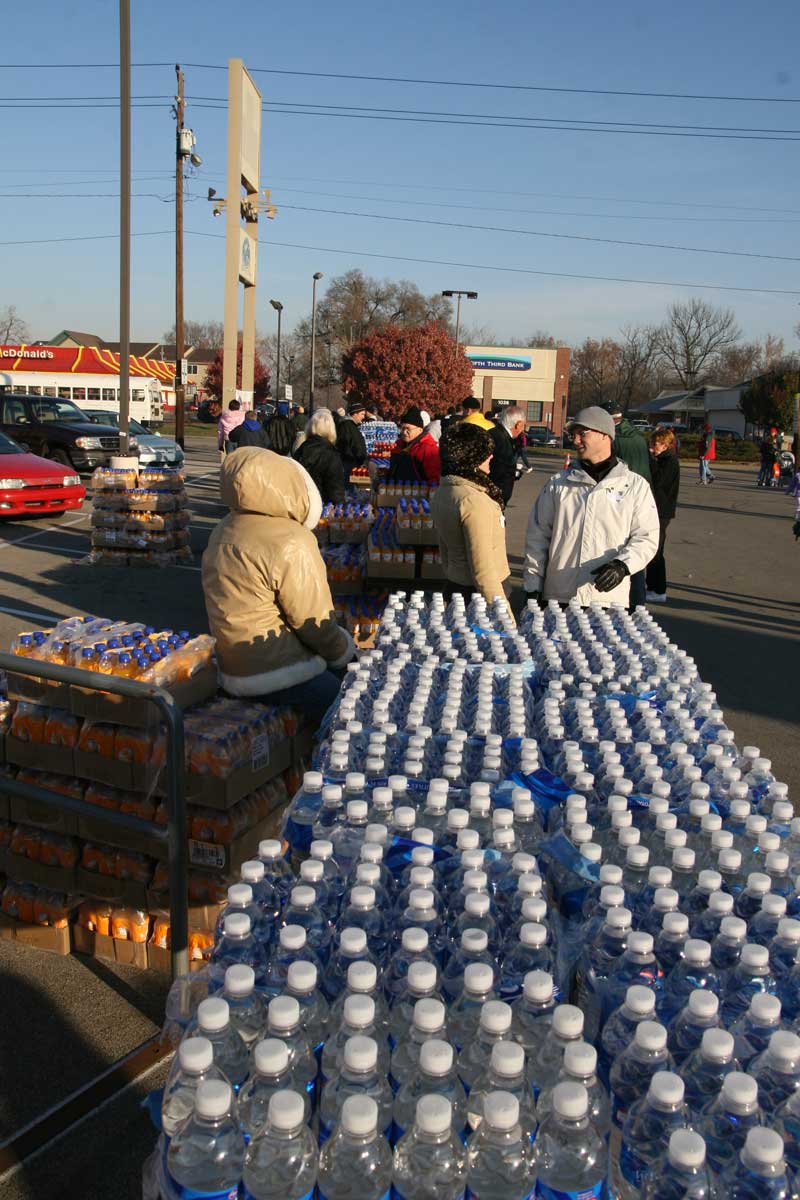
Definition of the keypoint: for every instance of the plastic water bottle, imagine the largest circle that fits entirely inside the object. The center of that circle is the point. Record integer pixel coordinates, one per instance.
(191, 1066)
(499, 1156)
(705, 1069)
(352, 947)
(477, 915)
(786, 1122)
(436, 1075)
(727, 946)
(359, 1075)
(754, 1028)
(597, 962)
(303, 812)
(684, 1173)
(281, 1161)
(430, 1021)
(356, 1161)
(421, 913)
(706, 924)
(304, 910)
(358, 1020)
(292, 947)
(473, 947)
(620, 1028)
(760, 1170)
(571, 1156)
(322, 850)
(312, 873)
(637, 965)
(265, 896)
(632, 1071)
(361, 912)
(430, 1162)
(751, 975)
(748, 902)
(566, 1027)
(764, 926)
(206, 1155)
(330, 812)
(248, 1013)
(777, 1070)
(347, 838)
(238, 944)
(271, 1072)
(580, 1066)
(646, 1131)
(230, 1052)
(421, 982)
(505, 1073)
(532, 1012)
(685, 1031)
(283, 1021)
(694, 970)
(414, 947)
(494, 1026)
(729, 1119)
(531, 953)
(301, 982)
(465, 1013)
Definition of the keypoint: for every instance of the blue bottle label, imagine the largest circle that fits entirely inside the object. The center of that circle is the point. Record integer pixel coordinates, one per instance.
(248, 1195)
(547, 1193)
(188, 1193)
(387, 1195)
(633, 1168)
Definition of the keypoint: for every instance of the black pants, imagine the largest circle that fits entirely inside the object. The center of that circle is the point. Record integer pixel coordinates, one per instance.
(638, 590)
(657, 567)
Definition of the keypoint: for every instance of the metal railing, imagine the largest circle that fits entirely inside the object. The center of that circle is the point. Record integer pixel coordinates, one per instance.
(175, 833)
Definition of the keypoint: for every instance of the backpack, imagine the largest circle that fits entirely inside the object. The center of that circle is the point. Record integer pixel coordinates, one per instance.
(282, 432)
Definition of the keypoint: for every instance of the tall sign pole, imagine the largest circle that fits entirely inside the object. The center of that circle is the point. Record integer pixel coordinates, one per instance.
(124, 221)
(180, 349)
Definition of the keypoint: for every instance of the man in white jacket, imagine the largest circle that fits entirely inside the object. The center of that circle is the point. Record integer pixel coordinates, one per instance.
(593, 525)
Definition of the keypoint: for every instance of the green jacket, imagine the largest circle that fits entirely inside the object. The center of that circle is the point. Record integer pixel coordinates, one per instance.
(631, 448)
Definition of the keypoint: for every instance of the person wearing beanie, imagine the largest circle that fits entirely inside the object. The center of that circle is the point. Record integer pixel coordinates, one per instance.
(473, 414)
(468, 513)
(416, 457)
(350, 442)
(594, 524)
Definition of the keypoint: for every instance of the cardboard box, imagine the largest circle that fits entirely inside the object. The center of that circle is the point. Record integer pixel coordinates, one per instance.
(393, 570)
(216, 856)
(100, 945)
(97, 829)
(271, 759)
(43, 816)
(417, 537)
(41, 756)
(59, 879)
(129, 777)
(351, 537)
(124, 710)
(159, 959)
(106, 887)
(201, 916)
(38, 937)
(346, 587)
(432, 570)
(38, 691)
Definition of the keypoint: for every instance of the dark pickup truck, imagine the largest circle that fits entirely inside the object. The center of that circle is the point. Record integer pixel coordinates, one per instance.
(57, 429)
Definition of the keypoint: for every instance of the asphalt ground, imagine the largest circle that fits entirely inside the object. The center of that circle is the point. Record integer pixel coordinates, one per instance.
(733, 603)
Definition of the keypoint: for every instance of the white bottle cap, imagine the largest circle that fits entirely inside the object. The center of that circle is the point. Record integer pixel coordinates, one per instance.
(532, 934)
(434, 1114)
(717, 1046)
(436, 1057)
(755, 957)
(286, 1110)
(666, 899)
(270, 849)
(422, 856)
(567, 1022)
(362, 897)
(709, 881)
(252, 871)
(720, 903)
(508, 1059)
(667, 1089)
(619, 918)
(703, 1004)
(213, 1099)
(283, 1013)
(739, 1092)
(357, 810)
(580, 1060)
(368, 874)
(640, 1000)
(783, 1049)
(422, 976)
(697, 951)
(195, 1054)
(733, 927)
(611, 896)
(687, 1149)
(429, 1015)
(538, 987)
(777, 861)
(421, 900)
(240, 894)
(765, 1009)
(637, 856)
(353, 941)
(501, 1111)
(758, 884)
(236, 925)
(651, 1036)
(292, 937)
(495, 1016)
(534, 909)
(683, 858)
(640, 943)
(474, 941)
(468, 839)
(359, 1011)
(303, 896)
(360, 1054)
(763, 1148)
(311, 871)
(475, 880)
(477, 904)
(530, 885)
(571, 1101)
(773, 905)
(322, 849)
(359, 1114)
(213, 1014)
(676, 924)
(361, 977)
(301, 976)
(240, 979)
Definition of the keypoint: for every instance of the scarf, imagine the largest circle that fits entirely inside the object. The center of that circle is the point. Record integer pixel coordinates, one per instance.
(481, 480)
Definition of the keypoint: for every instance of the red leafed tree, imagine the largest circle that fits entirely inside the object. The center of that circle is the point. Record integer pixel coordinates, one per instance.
(260, 378)
(399, 365)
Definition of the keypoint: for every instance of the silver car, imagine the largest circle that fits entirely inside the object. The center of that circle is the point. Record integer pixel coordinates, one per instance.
(154, 448)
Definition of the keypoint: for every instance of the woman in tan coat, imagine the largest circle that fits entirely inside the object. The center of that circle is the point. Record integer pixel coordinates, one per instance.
(468, 513)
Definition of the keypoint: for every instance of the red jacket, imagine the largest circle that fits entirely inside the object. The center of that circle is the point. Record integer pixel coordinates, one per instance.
(426, 465)
(707, 448)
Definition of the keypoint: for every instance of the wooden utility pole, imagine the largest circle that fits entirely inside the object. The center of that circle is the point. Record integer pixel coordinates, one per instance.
(180, 349)
(124, 222)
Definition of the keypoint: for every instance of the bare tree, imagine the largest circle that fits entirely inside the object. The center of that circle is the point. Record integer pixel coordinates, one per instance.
(636, 353)
(12, 327)
(692, 335)
(203, 335)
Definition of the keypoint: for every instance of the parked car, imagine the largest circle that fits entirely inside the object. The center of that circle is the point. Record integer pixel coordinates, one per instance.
(57, 429)
(540, 435)
(728, 435)
(208, 412)
(154, 448)
(30, 484)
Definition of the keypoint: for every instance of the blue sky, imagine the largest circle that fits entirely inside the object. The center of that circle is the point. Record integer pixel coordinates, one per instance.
(741, 195)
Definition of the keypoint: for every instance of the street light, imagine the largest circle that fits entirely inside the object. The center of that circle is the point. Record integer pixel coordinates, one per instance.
(276, 304)
(315, 278)
(459, 293)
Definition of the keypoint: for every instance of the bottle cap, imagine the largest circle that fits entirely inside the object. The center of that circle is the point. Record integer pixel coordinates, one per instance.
(758, 884)
(357, 810)
(508, 1059)
(777, 861)
(252, 871)
(580, 1059)
(570, 1100)
(422, 976)
(301, 976)
(765, 1009)
(709, 881)
(683, 858)
(530, 885)
(651, 1036)
(240, 979)
(697, 951)
(286, 1110)
(312, 780)
(612, 896)
(619, 918)
(703, 1004)
(773, 905)
(763, 1148)
(434, 1114)
(363, 897)
(637, 856)
(361, 977)
(270, 849)
(534, 908)
(292, 937)
(240, 894)
(532, 934)
(303, 896)
(415, 941)
(421, 900)
(754, 957)
(538, 987)
(501, 1111)
(213, 1014)
(236, 925)
(322, 849)
(422, 856)
(640, 1000)
(436, 1057)
(368, 874)
(429, 1015)
(717, 1046)
(733, 927)
(640, 943)
(495, 1016)
(474, 941)
(283, 1013)
(567, 1022)
(359, 1011)
(475, 880)
(353, 941)
(739, 1092)
(468, 839)
(213, 1099)
(360, 1054)
(195, 1054)
(477, 904)
(665, 899)
(720, 903)
(676, 924)
(687, 1149)
(359, 1114)
(667, 1089)
(783, 1049)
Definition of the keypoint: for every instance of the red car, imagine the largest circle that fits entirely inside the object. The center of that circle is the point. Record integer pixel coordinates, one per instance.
(30, 484)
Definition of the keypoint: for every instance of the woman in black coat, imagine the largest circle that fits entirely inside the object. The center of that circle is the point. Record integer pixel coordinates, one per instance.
(665, 473)
(320, 458)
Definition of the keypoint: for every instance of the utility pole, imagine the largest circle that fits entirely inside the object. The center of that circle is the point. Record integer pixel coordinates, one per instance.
(124, 222)
(276, 304)
(180, 349)
(315, 280)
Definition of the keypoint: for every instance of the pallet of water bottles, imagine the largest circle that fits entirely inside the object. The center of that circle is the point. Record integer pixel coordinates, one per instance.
(139, 517)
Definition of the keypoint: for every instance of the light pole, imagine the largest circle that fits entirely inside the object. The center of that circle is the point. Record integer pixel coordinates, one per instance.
(317, 276)
(276, 304)
(459, 293)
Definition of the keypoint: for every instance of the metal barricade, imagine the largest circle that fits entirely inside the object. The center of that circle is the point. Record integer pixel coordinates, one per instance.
(175, 833)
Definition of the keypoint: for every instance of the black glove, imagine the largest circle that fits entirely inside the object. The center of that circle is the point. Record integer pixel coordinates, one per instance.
(537, 596)
(610, 575)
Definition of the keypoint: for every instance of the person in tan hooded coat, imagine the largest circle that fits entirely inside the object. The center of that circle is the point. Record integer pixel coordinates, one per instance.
(267, 596)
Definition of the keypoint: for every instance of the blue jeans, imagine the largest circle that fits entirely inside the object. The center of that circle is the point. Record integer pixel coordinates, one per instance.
(705, 470)
(314, 697)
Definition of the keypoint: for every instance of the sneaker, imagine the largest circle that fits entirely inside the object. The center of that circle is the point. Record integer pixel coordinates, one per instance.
(656, 597)
(528, 470)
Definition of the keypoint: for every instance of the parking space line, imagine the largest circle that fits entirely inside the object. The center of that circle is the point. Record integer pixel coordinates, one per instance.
(31, 616)
(30, 537)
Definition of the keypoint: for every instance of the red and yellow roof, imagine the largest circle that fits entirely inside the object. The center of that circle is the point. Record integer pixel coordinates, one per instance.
(80, 360)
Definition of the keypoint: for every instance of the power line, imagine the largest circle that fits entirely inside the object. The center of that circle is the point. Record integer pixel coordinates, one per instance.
(438, 262)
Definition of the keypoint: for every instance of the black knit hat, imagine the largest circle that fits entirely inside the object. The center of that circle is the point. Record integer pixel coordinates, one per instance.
(468, 446)
(412, 416)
